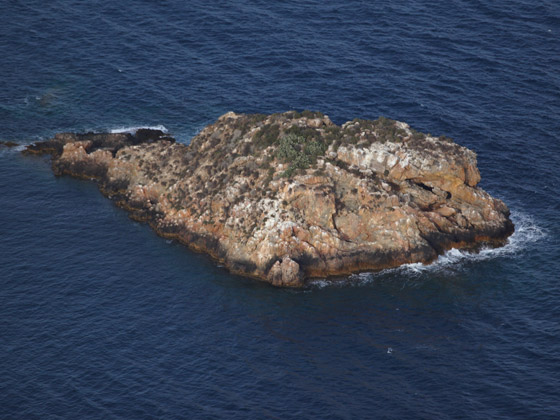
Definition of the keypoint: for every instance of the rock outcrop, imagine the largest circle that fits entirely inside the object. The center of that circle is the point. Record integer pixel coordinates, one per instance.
(291, 196)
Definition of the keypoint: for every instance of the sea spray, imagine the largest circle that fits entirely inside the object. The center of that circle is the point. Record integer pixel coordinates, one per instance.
(527, 232)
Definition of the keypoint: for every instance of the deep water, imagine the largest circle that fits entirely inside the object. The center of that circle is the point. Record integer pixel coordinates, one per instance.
(100, 318)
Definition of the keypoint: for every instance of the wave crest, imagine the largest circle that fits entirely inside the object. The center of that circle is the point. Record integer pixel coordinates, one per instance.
(134, 129)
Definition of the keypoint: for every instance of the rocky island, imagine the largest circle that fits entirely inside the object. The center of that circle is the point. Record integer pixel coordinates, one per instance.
(292, 196)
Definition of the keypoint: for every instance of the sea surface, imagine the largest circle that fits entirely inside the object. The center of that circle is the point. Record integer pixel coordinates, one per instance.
(102, 319)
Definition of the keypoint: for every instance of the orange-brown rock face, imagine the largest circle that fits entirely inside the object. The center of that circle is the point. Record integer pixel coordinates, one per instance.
(287, 197)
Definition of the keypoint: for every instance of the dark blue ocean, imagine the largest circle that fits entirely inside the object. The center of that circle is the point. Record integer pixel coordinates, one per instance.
(102, 319)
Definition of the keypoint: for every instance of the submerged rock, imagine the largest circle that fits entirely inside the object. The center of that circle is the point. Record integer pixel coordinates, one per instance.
(291, 196)
(8, 144)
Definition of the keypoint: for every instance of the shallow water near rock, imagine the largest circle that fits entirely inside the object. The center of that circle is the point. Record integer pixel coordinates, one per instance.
(102, 318)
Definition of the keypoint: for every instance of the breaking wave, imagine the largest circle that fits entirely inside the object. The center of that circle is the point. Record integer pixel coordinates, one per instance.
(527, 232)
(133, 130)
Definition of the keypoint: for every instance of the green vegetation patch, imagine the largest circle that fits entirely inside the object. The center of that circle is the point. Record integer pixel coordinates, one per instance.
(384, 129)
(300, 152)
(250, 121)
(266, 136)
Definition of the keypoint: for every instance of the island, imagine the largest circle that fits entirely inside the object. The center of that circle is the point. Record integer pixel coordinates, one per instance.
(291, 196)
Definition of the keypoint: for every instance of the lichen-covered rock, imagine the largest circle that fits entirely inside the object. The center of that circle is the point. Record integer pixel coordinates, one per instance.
(286, 197)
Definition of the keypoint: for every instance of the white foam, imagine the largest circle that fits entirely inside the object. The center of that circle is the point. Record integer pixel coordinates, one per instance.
(133, 130)
(527, 232)
(321, 283)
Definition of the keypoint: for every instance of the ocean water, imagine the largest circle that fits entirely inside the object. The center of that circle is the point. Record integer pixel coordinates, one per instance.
(100, 318)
